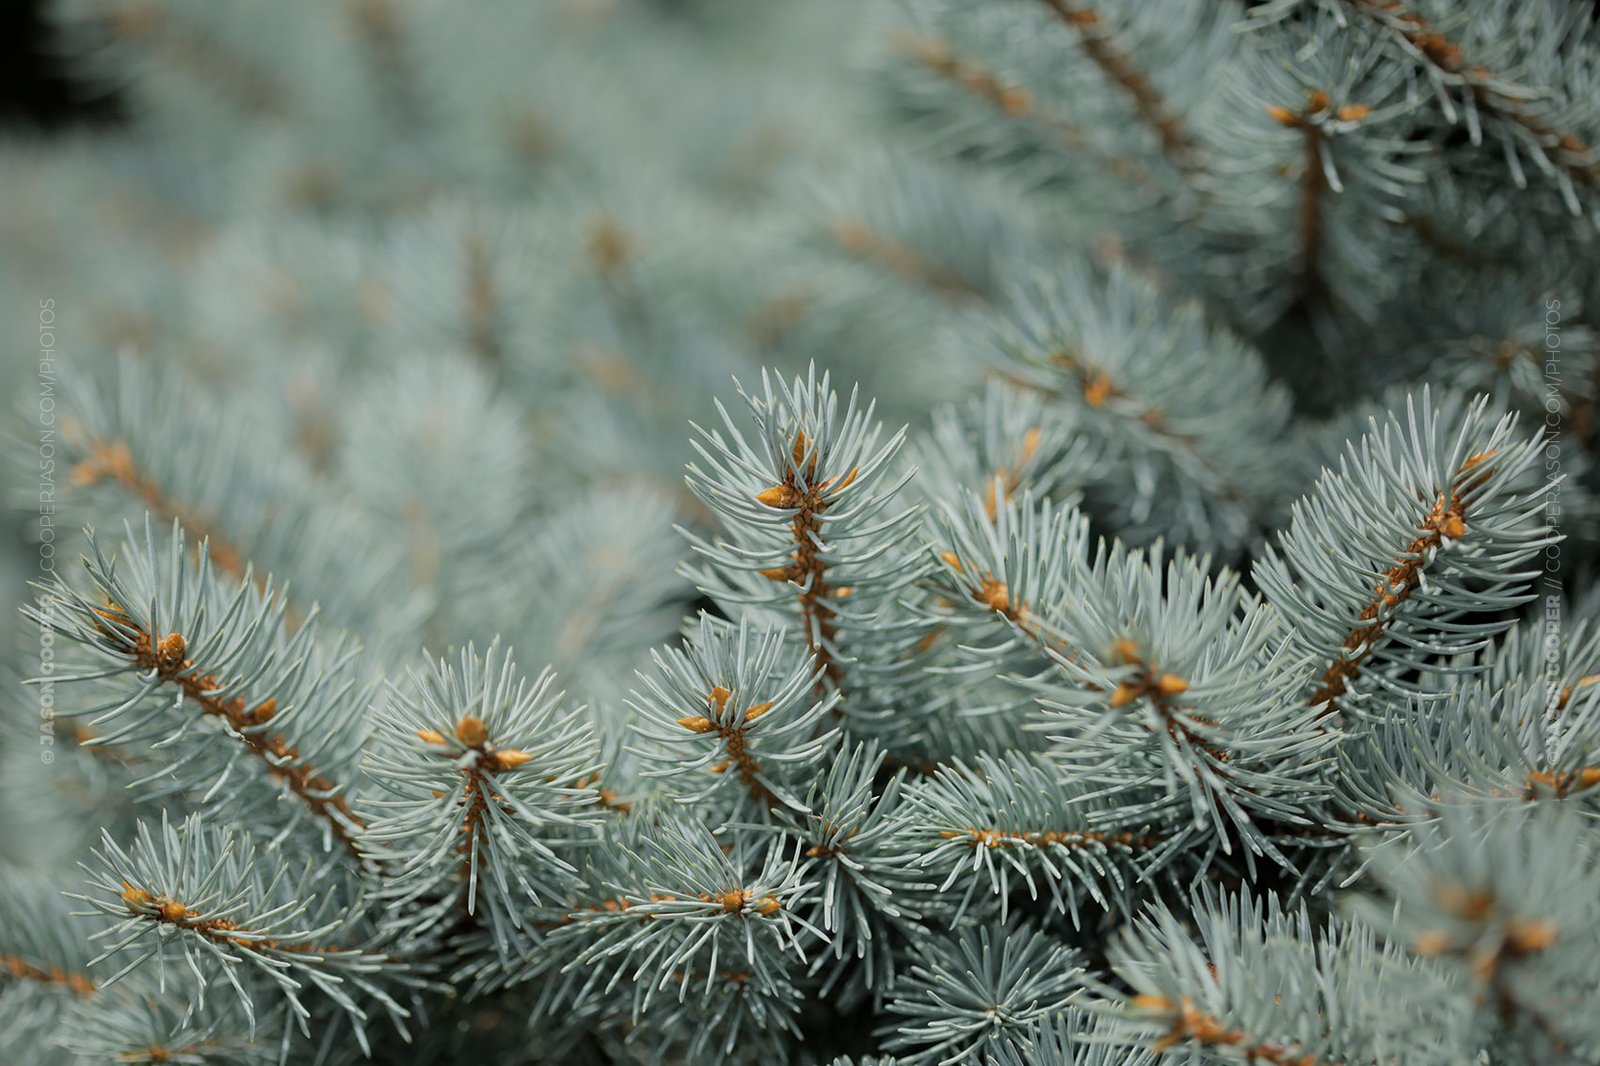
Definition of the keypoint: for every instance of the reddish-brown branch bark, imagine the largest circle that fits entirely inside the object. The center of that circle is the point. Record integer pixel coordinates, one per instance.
(166, 911)
(810, 500)
(78, 983)
(1447, 518)
(1190, 1025)
(166, 657)
(858, 238)
(1564, 149)
(112, 460)
(1119, 68)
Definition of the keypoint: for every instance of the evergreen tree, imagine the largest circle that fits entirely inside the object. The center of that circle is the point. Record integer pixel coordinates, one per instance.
(1034, 533)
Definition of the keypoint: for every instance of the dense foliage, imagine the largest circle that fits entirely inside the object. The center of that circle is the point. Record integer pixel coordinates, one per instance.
(1030, 533)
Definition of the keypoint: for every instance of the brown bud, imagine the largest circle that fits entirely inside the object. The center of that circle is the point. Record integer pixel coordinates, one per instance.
(697, 724)
(853, 235)
(1097, 389)
(1125, 651)
(1016, 101)
(1526, 937)
(1171, 685)
(779, 496)
(801, 443)
(757, 711)
(510, 758)
(169, 651)
(471, 731)
(844, 484)
(1283, 116)
(994, 595)
(1030, 443)
(432, 736)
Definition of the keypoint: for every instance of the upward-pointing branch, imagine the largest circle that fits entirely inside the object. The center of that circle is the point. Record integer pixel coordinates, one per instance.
(809, 569)
(1446, 519)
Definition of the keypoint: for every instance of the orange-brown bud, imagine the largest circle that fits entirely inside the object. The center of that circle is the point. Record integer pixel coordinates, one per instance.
(1171, 685)
(471, 731)
(510, 758)
(844, 484)
(779, 496)
(1016, 101)
(1532, 936)
(1283, 116)
(1097, 389)
(1030, 443)
(170, 650)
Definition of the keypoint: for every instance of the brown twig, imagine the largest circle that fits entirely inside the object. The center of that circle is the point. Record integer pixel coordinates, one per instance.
(79, 984)
(1041, 838)
(735, 742)
(809, 499)
(482, 298)
(1563, 149)
(858, 238)
(163, 910)
(113, 461)
(1119, 68)
(1446, 519)
(480, 773)
(1190, 1025)
(166, 658)
(1014, 101)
